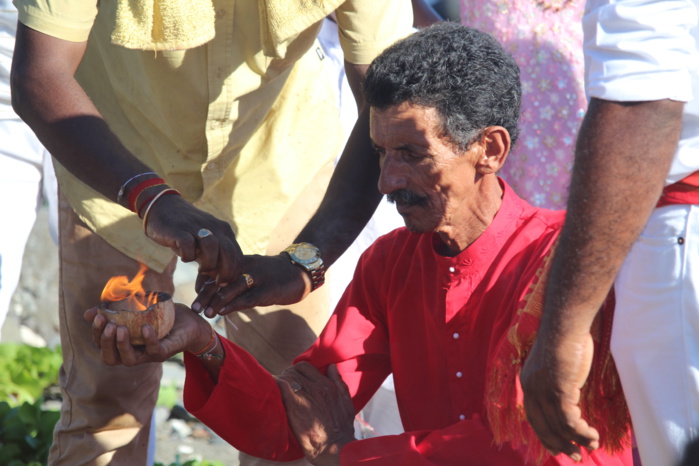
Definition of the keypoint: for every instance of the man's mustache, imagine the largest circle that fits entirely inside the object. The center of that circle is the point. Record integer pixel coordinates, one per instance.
(405, 197)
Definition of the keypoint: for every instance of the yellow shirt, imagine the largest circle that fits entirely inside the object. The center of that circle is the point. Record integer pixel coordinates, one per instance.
(238, 133)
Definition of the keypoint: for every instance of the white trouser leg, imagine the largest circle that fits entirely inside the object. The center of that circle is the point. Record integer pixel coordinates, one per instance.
(20, 180)
(655, 338)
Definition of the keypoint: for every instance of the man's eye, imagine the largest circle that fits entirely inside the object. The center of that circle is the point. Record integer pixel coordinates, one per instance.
(412, 156)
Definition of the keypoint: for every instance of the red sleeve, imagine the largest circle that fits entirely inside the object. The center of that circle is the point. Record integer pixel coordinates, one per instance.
(245, 407)
(246, 410)
(356, 335)
(466, 442)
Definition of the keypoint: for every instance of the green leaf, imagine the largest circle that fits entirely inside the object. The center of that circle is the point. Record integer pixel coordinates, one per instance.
(8, 452)
(168, 396)
(15, 430)
(26, 431)
(29, 413)
(4, 410)
(32, 442)
(27, 371)
(8, 352)
(47, 422)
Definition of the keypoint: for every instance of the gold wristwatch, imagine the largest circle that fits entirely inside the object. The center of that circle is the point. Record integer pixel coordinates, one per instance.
(307, 256)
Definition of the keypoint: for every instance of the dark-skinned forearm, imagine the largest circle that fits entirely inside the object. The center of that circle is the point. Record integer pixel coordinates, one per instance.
(46, 95)
(353, 194)
(351, 198)
(622, 157)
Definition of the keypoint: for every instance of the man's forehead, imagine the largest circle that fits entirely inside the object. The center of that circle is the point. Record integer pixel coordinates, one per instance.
(405, 120)
(406, 111)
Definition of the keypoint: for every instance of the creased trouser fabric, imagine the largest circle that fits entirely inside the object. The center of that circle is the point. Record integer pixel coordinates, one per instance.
(104, 408)
(655, 338)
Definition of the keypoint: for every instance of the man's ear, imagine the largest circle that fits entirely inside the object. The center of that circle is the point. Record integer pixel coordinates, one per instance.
(495, 142)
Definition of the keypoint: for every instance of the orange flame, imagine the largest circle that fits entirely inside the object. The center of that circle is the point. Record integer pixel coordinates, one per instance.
(119, 288)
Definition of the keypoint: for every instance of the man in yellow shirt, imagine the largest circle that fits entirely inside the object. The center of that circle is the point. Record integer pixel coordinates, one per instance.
(212, 122)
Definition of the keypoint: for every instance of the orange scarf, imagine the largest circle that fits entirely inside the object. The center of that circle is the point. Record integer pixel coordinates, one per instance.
(602, 400)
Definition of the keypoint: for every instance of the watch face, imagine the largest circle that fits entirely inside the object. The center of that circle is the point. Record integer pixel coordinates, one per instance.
(305, 254)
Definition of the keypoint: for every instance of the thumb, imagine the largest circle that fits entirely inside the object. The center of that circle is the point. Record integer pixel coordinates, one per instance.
(334, 375)
(90, 314)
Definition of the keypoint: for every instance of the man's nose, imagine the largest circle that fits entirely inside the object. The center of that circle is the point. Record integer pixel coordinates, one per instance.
(392, 176)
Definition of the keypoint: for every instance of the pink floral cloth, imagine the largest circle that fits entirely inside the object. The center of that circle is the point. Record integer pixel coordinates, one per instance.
(545, 37)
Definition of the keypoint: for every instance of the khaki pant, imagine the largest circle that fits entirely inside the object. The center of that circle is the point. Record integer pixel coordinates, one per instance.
(106, 411)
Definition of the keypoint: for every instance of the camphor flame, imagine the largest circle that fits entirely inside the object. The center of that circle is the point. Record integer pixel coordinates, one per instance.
(119, 288)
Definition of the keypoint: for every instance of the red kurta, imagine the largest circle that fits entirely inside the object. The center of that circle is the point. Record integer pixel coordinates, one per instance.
(434, 321)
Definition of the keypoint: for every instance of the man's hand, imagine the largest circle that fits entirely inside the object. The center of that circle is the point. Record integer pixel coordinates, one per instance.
(623, 153)
(552, 378)
(275, 280)
(320, 411)
(190, 332)
(195, 235)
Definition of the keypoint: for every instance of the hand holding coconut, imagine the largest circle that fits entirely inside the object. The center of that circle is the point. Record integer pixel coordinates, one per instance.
(190, 332)
(133, 326)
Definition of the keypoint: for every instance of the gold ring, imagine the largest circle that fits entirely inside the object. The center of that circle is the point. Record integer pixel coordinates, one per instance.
(248, 279)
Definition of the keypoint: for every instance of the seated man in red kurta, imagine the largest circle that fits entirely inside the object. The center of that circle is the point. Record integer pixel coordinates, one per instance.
(449, 305)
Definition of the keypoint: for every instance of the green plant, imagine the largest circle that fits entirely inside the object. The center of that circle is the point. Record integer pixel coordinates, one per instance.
(168, 396)
(26, 429)
(27, 372)
(25, 433)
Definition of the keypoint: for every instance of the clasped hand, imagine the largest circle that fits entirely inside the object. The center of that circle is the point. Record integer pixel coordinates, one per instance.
(275, 280)
(227, 280)
(319, 410)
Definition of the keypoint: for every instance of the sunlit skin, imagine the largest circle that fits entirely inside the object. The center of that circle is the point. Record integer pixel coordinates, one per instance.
(457, 192)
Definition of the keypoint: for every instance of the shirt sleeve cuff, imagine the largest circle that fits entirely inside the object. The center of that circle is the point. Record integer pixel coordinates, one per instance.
(73, 30)
(244, 408)
(363, 38)
(640, 50)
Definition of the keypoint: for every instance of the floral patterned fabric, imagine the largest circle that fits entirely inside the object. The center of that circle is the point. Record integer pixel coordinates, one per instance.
(545, 37)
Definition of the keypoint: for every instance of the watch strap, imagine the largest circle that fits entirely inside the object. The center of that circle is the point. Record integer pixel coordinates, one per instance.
(317, 273)
(318, 277)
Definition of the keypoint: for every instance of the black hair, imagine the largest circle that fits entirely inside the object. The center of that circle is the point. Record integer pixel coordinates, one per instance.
(462, 72)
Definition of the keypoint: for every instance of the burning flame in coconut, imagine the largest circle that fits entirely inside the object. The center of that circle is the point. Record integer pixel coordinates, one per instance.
(126, 303)
(119, 288)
